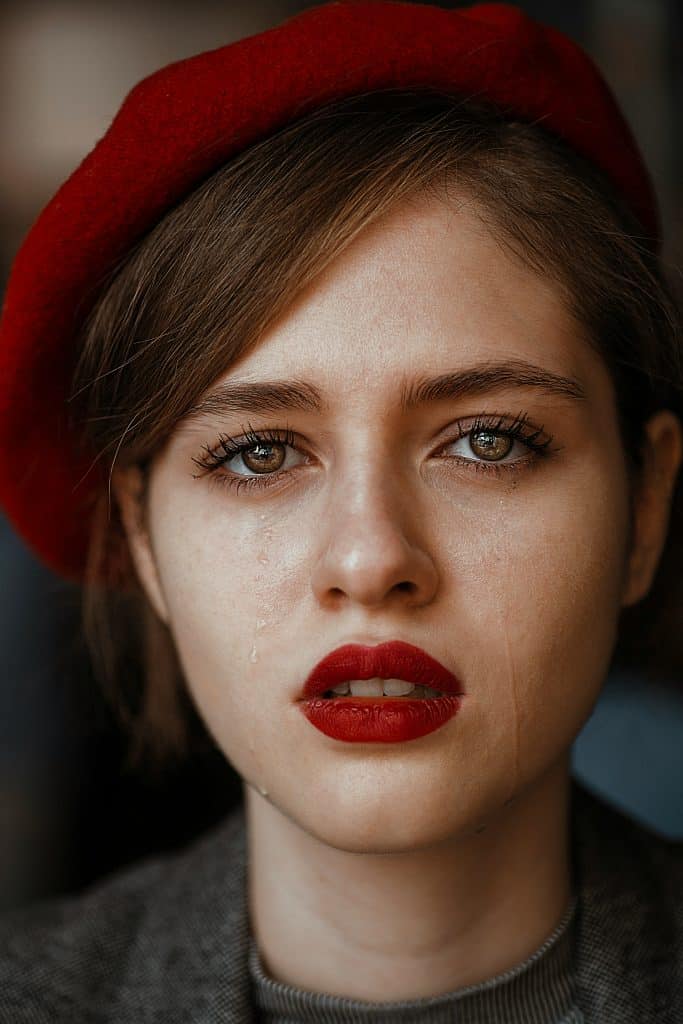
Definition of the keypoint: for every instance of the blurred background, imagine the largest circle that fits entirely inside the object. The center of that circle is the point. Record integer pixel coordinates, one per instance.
(69, 810)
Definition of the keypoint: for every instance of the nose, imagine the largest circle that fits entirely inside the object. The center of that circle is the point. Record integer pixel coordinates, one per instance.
(373, 548)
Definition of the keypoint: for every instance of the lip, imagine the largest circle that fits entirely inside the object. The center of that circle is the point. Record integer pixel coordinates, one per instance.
(395, 659)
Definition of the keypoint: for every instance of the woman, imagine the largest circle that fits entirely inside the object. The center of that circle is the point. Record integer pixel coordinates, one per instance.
(381, 378)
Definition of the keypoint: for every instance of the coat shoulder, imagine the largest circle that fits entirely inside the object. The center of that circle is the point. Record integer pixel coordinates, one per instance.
(66, 959)
(58, 956)
(632, 903)
(620, 837)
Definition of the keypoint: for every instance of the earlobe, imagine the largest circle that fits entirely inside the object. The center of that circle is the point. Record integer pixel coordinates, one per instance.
(128, 486)
(652, 502)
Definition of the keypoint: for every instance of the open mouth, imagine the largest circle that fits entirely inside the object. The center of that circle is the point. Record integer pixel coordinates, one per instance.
(381, 688)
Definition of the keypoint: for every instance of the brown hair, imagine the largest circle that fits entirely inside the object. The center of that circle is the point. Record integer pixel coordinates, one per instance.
(204, 285)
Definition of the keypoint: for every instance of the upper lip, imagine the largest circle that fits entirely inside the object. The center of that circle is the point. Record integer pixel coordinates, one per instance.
(395, 659)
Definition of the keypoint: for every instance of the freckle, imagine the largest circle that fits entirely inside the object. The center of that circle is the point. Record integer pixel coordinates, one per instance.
(480, 829)
(253, 655)
(262, 558)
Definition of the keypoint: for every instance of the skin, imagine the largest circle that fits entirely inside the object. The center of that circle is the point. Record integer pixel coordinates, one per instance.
(396, 871)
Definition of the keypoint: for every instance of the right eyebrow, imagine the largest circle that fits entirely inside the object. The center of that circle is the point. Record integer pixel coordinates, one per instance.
(281, 395)
(488, 377)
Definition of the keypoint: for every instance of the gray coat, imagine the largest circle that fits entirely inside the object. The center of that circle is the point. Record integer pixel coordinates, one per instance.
(167, 940)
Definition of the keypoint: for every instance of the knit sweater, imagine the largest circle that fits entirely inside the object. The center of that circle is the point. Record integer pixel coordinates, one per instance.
(167, 942)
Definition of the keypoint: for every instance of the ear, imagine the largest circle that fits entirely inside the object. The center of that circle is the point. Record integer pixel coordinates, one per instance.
(652, 502)
(129, 487)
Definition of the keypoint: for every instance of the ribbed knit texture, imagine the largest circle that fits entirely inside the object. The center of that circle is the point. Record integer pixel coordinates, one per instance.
(537, 991)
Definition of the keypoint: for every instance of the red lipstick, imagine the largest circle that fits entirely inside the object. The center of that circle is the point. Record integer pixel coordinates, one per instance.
(379, 719)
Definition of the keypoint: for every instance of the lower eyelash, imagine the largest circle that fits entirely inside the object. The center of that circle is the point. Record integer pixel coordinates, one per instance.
(517, 430)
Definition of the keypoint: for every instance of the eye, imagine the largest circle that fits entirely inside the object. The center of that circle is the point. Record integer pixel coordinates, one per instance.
(486, 442)
(263, 453)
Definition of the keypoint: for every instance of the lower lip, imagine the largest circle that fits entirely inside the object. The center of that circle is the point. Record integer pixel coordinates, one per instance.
(368, 720)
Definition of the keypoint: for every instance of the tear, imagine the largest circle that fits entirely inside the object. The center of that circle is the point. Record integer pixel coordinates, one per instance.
(512, 677)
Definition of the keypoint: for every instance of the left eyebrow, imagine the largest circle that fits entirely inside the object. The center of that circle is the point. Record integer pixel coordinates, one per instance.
(282, 395)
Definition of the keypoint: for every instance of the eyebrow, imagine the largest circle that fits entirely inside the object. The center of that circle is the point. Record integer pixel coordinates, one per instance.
(282, 395)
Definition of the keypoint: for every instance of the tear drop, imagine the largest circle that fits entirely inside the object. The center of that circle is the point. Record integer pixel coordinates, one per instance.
(253, 656)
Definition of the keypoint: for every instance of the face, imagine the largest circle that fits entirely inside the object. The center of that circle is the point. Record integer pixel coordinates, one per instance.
(369, 522)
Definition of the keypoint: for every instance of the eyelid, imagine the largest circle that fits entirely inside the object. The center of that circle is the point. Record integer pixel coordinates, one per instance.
(501, 423)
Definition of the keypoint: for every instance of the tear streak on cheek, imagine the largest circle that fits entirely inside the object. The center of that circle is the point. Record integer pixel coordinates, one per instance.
(514, 717)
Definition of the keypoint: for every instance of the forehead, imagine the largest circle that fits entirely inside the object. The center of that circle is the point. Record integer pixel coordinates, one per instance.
(426, 288)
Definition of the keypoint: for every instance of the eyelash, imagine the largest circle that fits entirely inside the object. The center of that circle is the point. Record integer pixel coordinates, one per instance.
(520, 429)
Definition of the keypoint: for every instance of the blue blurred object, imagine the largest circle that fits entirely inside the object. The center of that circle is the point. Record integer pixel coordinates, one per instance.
(630, 751)
(35, 788)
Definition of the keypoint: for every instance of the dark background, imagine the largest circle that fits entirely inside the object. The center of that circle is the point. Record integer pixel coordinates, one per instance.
(69, 811)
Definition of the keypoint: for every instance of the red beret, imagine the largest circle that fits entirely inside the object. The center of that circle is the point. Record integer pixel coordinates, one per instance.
(183, 122)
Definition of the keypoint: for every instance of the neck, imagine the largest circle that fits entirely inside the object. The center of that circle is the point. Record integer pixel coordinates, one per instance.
(412, 924)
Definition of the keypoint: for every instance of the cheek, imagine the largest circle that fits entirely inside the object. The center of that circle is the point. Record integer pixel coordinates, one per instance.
(231, 584)
(544, 607)
(229, 580)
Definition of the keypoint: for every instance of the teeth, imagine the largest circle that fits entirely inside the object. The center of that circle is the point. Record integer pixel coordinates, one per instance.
(383, 687)
(397, 687)
(380, 687)
(366, 687)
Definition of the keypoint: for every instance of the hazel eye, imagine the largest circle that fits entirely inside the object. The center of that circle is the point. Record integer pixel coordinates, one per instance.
(486, 444)
(266, 457)
(496, 444)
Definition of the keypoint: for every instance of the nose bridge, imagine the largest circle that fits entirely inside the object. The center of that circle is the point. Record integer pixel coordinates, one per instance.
(372, 543)
(369, 477)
